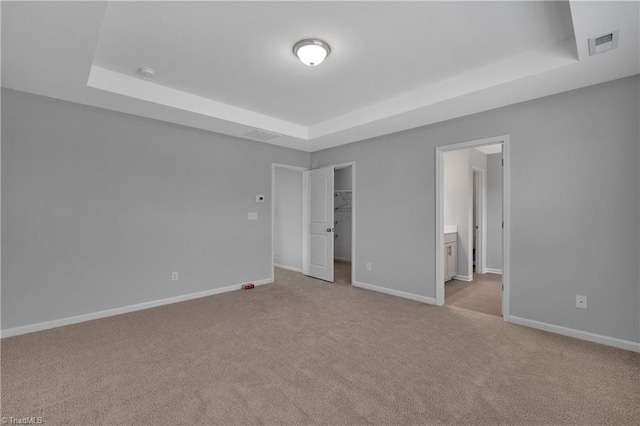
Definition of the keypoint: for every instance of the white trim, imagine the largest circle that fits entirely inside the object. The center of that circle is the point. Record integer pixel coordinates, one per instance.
(273, 221)
(287, 267)
(342, 259)
(398, 293)
(506, 207)
(439, 228)
(353, 220)
(492, 271)
(273, 211)
(305, 223)
(470, 207)
(481, 235)
(582, 335)
(125, 309)
(343, 166)
(467, 278)
(127, 85)
(506, 231)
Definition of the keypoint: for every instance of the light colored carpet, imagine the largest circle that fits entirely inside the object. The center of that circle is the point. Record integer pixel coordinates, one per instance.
(342, 272)
(303, 351)
(483, 294)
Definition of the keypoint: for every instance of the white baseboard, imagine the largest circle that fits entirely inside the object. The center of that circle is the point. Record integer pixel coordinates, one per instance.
(493, 271)
(342, 259)
(583, 335)
(287, 267)
(405, 295)
(467, 278)
(123, 310)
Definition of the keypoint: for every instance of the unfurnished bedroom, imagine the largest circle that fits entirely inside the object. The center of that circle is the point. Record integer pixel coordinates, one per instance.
(320, 212)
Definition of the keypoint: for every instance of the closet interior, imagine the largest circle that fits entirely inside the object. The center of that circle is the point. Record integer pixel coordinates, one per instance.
(343, 210)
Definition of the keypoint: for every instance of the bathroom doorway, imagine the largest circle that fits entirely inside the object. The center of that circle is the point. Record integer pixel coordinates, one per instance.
(471, 223)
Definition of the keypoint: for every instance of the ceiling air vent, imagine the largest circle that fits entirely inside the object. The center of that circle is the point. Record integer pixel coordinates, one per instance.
(262, 135)
(603, 43)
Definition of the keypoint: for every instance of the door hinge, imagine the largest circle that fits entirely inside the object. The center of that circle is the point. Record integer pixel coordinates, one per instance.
(503, 162)
(502, 286)
(503, 224)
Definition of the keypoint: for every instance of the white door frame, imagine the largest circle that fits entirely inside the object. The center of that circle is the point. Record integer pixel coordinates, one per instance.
(305, 221)
(506, 208)
(481, 240)
(273, 211)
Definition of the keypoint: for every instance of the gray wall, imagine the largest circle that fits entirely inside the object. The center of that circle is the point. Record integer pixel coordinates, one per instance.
(343, 178)
(494, 211)
(99, 207)
(575, 217)
(457, 203)
(288, 218)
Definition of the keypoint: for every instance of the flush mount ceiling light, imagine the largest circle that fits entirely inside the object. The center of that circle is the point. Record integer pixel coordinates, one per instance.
(147, 72)
(311, 51)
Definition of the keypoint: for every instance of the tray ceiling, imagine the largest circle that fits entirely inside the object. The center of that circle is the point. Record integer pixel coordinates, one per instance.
(228, 66)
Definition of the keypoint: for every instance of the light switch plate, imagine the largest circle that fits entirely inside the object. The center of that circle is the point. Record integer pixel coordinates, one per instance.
(253, 216)
(259, 198)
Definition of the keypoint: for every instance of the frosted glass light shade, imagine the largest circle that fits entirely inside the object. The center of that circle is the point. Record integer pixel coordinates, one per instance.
(311, 52)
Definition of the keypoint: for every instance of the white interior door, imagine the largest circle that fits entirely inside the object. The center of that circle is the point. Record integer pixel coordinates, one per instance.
(321, 227)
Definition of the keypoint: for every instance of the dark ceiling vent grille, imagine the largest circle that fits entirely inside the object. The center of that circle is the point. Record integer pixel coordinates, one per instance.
(262, 135)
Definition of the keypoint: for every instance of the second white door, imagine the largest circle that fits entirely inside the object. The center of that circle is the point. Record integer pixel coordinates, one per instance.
(321, 225)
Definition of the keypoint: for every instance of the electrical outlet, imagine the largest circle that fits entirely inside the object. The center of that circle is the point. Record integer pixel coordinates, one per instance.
(581, 302)
(368, 266)
(253, 216)
(174, 276)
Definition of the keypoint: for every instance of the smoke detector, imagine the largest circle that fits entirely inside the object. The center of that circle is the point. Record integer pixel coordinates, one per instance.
(600, 44)
(147, 72)
(262, 135)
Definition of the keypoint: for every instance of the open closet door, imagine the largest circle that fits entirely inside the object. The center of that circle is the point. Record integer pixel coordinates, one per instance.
(319, 200)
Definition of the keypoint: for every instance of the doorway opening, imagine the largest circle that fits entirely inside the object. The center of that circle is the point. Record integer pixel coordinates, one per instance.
(287, 210)
(472, 200)
(343, 224)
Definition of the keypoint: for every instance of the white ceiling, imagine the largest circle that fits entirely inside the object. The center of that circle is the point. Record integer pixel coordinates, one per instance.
(240, 53)
(228, 66)
(490, 149)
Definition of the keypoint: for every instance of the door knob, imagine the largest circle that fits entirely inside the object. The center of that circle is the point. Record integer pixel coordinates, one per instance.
(330, 229)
